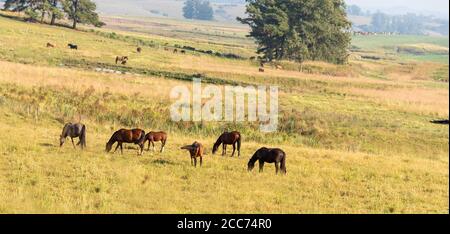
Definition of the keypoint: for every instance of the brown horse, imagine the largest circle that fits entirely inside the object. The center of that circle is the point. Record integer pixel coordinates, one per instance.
(261, 69)
(136, 136)
(50, 45)
(139, 49)
(267, 155)
(122, 59)
(228, 138)
(196, 150)
(153, 137)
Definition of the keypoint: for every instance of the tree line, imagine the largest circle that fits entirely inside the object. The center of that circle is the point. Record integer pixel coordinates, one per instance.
(77, 11)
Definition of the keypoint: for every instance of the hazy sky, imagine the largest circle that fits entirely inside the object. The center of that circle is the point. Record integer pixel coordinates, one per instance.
(437, 7)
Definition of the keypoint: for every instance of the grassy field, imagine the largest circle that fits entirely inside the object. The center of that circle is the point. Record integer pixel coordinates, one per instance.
(357, 136)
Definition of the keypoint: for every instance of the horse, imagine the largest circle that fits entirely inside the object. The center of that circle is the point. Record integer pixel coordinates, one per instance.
(122, 59)
(139, 49)
(50, 45)
(183, 52)
(136, 136)
(196, 151)
(267, 155)
(442, 121)
(261, 69)
(73, 131)
(72, 46)
(153, 137)
(175, 51)
(228, 138)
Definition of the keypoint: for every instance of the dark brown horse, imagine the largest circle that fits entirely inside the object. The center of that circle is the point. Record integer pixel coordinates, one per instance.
(153, 137)
(136, 136)
(50, 45)
(228, 138)
(267, 155)
(139, 49)
(72, 46)
(196, 151)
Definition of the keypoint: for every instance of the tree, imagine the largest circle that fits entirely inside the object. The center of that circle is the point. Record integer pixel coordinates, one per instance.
(82, 11)
(299, 30)
(198, 9)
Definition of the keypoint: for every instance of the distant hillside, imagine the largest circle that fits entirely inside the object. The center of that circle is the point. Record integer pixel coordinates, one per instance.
(225, 10)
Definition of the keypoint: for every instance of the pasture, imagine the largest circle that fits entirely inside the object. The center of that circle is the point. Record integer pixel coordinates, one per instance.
(357, 136)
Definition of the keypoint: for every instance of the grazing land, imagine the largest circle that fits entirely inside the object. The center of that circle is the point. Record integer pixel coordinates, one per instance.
(357, 136)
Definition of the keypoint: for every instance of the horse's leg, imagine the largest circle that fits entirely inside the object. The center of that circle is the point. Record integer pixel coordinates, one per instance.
(192, 161)
(163, 143)
(153, 145)
(276, 168)
(148, 148)
(140, 149)
(73, 143)
(261, 165)
(117, 146)
(234, 149)
(121, 148)
(224, 149)
(195, 161)
(201, 160)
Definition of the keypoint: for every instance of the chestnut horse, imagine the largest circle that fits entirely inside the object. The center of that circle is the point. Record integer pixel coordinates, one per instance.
(136, 136)
(153, 137)
(228, 138)
(267, 155)
(196, 150)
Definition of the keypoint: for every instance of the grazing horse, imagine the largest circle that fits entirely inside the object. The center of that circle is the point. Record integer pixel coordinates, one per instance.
(139, 49)
(136, 136)
(50, 45)
(72, 46)
(183, 51)
(73, 131)
(196, 150)
(122, 59)
(261, 69)
(267, 155)
(153, 137)
(228, 138)
(175, 51)
(443, 121)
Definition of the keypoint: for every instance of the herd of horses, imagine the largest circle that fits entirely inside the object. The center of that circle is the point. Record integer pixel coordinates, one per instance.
(196, 149)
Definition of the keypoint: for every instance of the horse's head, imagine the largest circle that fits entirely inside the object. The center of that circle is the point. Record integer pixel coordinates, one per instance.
(62, 139)
(250, 165)
(108, 147)
(215, 148)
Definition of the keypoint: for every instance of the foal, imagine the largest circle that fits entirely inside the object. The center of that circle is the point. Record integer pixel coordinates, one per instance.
(153, 137)
(195, 150)
(267, 155)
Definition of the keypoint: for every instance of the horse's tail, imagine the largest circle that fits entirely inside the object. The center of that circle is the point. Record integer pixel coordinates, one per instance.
(239, 143)
(83, 136)
(283, 163)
